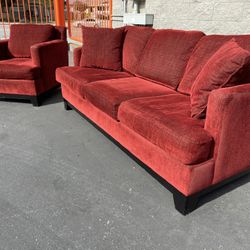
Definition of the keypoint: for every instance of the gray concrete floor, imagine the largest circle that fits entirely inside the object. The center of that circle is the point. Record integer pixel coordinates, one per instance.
(64, 185)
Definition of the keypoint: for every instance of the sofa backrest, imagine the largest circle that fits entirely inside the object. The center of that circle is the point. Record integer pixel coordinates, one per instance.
(205, 48)
(166, 54)
(60, 33)
(23, 36)
(135, 41)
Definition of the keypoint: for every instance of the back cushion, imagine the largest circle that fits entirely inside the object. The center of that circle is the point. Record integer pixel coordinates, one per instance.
(135, 41)
(23, 36)
(166, 54)
(102, 48)
(218, 72)
(206, 47)
(60, 33)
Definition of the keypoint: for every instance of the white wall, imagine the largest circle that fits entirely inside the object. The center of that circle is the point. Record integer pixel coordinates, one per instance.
(210, 16)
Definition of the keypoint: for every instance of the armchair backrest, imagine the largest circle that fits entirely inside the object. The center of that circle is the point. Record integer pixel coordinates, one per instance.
(60, 33)
(23, 36)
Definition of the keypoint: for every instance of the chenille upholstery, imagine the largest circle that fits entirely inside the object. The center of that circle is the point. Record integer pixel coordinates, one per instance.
(23, 36)
(166, 122)
(203, 51)
(166, 55)
(102, 48)
(107, 95)
(147, 109)
(19, 68)
(219, 71)
(134, 43)
(29, 58)
(76, 78)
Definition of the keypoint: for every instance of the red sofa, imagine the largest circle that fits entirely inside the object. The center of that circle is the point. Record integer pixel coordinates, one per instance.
(145, 108)
(28, 60)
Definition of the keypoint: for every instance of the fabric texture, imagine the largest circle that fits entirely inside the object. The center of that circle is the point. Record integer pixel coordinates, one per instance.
(32, 74)
(23, 36)
(188, 179)
(20, 87)
(77, 52)
(49, 56)
(219, 71)
(19, 68)
(135, 41)
(109, 94)
(76, 78)
(228, 119)
(60, 33)
(102, 48)
(166, 55)
(4, 49)
(165, 121)
(203, 51)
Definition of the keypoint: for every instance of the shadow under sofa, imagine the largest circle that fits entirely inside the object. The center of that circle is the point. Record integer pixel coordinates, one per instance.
(151, 120)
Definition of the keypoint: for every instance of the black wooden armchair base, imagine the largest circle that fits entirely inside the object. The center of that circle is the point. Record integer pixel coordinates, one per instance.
(35, 100)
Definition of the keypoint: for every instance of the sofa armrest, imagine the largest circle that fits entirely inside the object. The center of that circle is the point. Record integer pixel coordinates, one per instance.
(3, 49)
(49, 56)
(228, 121)
(77, 56)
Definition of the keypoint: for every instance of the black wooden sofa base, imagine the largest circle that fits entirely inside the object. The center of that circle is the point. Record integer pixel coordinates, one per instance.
(184, 204)
(35, 100)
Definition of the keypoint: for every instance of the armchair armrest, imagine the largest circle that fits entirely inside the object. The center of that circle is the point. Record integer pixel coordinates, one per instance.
(3, 49)
(49, 56)
(77, 56)
(228, 121)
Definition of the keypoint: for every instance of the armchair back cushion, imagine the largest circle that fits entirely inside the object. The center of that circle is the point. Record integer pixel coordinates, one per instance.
(102, 48)
(60, 33)
(135, 41)
(23, 36)
(4, 49)
(203, 51)
(218, 72)
(166, 54)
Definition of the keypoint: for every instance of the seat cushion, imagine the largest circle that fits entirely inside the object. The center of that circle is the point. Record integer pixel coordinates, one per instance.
(19, 68)
(203, 51)
(166, 54)
(102, 48)
(219, 71)
(23, 36)
(76, 77)
(109, 94)
(134, 43)
(165, 121)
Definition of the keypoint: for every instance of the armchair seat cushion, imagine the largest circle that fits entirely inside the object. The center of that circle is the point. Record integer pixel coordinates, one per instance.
(165, 121)
(19, 68)
(108, 95)
(76, 77)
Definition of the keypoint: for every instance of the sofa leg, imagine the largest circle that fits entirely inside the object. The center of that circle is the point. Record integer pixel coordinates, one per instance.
(185, 204)
(35, 100)
(66, 105)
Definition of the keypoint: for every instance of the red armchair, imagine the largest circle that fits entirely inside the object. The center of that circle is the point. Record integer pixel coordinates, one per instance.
(28, 60)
